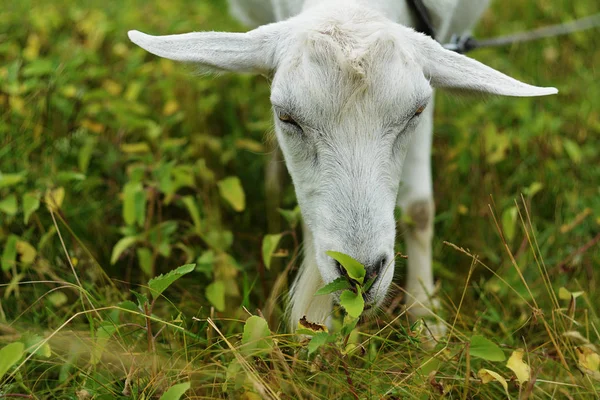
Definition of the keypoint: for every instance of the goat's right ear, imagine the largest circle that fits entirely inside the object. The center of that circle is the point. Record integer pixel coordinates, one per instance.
(254, 51)
(450, 70)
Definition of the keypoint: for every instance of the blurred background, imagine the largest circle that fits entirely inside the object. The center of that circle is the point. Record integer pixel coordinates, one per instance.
(147, 166)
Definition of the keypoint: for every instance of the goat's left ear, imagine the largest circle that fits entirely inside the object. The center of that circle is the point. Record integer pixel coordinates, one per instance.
(447, 69)
(254, 51)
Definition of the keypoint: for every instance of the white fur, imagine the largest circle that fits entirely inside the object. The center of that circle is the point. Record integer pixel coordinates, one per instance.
(352, 74)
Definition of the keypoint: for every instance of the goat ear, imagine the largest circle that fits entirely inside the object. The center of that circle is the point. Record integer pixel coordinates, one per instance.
(253, 51)
(450, 70)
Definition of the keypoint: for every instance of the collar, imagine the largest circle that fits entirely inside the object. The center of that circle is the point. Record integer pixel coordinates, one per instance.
(424, 20)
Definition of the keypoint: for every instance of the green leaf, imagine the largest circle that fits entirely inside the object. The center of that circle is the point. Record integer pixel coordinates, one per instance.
(232, 191)
(318, 340)
(483, 348)
(291, 216)
(340, 283)
(68, 176)
(348, 325)
(354, 269)
(256, 338)
(141, 298)
(58, 299)
(33, 345)
(103, 335)
(353, 303)
(176, 391)
(509, 222)
(533, 189)
(573, 150)
(9, 205)
(369, 283)
(145, 259)
(129, 305)
(192, 207)
(31, 203)
(206, 263)
(9, 355)
(215, 293)
(39, 67)
(134, 203)
(7, 180)
(269, 245)
(218, 239)
(9, 254)
(85, 154)
(162, 282)
(120, 247)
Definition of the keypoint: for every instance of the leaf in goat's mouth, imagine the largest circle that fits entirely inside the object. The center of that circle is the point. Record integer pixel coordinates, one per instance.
(369, 283)
(340, 283)
(353, 303)
(354, 269)
(352, 284)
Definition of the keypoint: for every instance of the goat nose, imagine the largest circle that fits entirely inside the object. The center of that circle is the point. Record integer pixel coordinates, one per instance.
(372, 269)
(377, 268)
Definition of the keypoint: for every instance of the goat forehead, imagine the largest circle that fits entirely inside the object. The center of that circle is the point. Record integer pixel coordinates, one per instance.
(342, 67)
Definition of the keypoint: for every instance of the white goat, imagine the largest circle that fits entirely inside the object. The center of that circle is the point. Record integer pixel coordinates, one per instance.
(352, 94)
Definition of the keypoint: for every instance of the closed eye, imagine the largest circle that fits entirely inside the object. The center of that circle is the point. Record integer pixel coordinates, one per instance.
(288, 119)
(420, 110)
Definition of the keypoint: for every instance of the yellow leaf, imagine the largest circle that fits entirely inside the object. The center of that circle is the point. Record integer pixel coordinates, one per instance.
(32, 50)
(462, 209)
(131, 148)
(564, 294)
(54, 198)
(26, 251)
(92, 126)
(588, 361)
(120, 49)
(250, 145)
(516, 364)
(250, 396)
(488, 376)
(112, 87)
(69, 91)
(17, 104)
(231, 190)
(171, 107)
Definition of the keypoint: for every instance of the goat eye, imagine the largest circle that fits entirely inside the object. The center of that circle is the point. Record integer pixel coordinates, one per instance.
(419, 111)
(287, 119)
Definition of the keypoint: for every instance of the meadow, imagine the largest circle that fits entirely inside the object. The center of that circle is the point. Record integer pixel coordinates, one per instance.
(141, 257)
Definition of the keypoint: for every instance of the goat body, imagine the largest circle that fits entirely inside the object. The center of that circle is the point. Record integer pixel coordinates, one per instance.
(352, 94)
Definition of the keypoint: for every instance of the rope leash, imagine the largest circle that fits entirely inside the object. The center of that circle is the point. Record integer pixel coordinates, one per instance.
(464, 43)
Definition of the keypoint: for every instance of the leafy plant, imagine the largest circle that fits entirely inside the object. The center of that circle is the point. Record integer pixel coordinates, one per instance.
(116, 165)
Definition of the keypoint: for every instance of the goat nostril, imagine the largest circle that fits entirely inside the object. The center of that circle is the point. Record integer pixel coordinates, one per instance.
(383, 263)
(379, 266)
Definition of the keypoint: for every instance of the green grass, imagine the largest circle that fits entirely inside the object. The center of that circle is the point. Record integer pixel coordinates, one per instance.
(117, 166)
